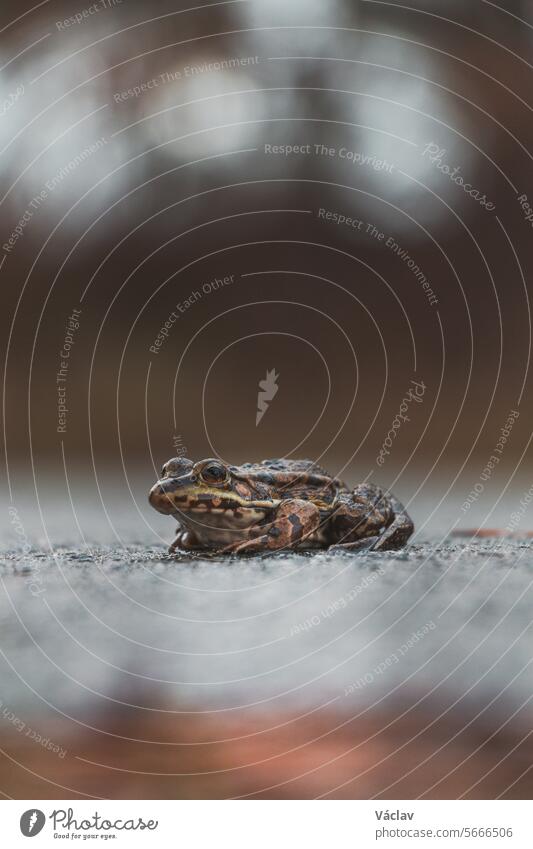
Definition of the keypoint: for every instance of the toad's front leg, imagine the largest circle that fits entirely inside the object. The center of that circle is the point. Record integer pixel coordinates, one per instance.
(295, 521)
(185, 541)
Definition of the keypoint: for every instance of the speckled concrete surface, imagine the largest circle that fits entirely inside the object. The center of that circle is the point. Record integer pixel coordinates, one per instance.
(299, 628)
(441, 632)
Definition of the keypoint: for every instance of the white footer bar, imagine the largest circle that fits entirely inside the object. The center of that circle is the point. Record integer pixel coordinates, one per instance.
(267, 824)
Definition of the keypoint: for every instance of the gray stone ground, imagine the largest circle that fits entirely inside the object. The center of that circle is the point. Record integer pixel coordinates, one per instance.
(288, 628)
(444, 631)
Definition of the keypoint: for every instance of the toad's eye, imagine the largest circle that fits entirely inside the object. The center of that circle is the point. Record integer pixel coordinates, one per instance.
(214, 473)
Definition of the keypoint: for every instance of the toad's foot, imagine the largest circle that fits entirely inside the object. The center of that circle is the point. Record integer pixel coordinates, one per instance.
(186, 541)
(392, 538)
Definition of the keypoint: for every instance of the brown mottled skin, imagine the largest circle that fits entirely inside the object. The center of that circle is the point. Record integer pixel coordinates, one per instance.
(274, 505)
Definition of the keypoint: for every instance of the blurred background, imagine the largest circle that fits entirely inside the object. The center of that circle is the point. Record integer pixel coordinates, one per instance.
(191, 197)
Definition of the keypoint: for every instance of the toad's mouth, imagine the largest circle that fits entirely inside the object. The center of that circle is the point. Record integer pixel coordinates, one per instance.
(169, 497)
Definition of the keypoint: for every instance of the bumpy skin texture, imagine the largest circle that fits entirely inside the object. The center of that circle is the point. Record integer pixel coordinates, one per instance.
(275, 505)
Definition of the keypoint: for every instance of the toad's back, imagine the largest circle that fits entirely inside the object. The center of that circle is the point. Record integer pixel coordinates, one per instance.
(291, 479)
